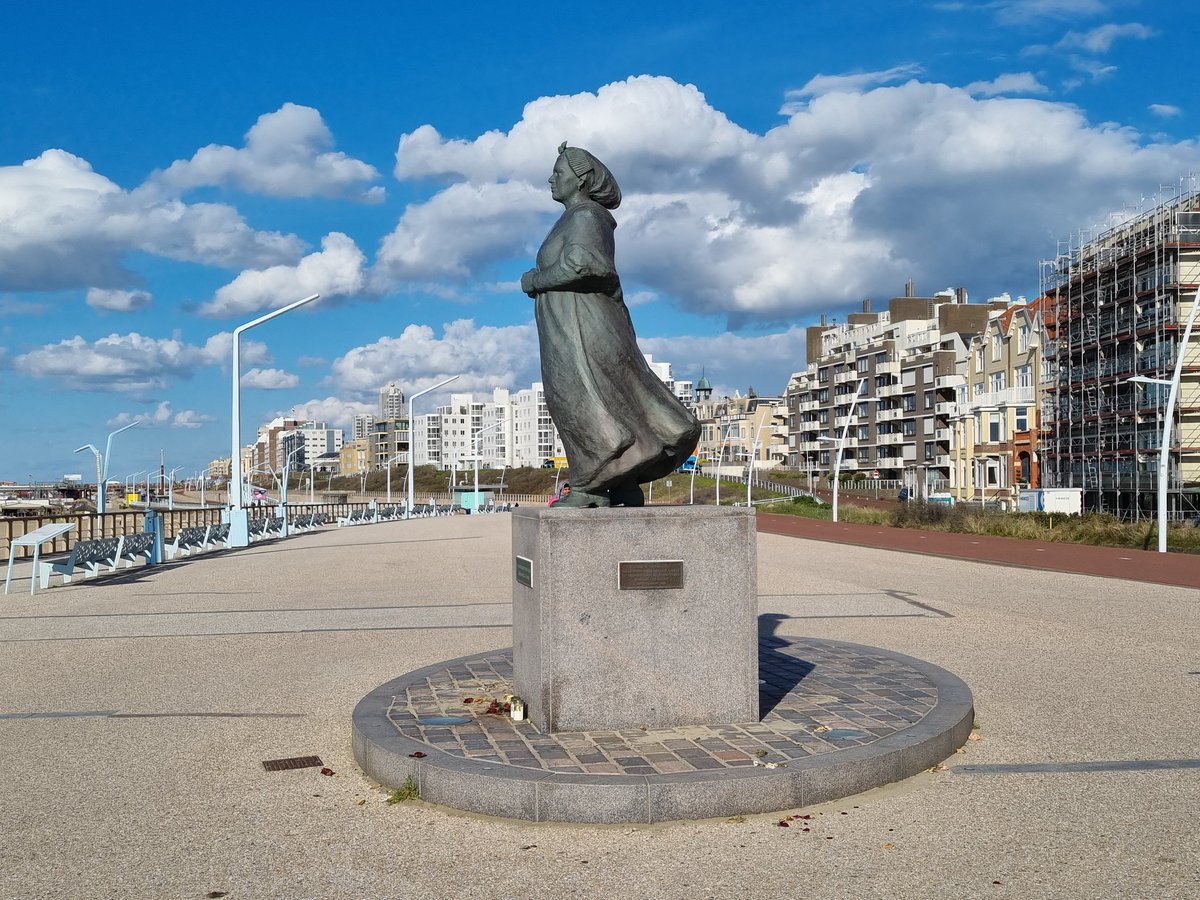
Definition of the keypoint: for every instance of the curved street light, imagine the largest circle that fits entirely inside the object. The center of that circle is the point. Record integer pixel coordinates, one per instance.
(841, 442)
(239, 525)
(411, 432)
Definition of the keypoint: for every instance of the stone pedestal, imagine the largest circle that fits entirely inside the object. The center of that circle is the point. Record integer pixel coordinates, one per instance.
(624, 618)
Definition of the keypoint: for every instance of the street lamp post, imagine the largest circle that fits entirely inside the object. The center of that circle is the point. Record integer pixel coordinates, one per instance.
(171, 487)
(721, 459)
(411, 432)
(239, 525)
(841, 442)
(754, 454)
(475, 453)
(102, 465)
(388, 464)
(1164, 446)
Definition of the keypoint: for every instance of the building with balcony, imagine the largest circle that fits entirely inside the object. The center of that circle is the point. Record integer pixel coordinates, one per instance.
(908, 362)
(388, 442)
(747, 431)
(994, 419)
(355, 457)
(1118, 300)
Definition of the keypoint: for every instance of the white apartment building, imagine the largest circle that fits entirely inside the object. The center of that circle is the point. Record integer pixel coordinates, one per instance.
(362, 426)
(312, 440)
(909, 361)
(427, 440)
(391, 401)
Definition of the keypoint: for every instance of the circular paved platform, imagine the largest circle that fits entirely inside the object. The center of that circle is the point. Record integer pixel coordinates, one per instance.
(837, 719)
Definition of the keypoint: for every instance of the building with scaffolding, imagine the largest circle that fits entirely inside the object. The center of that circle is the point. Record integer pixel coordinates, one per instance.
(1117, 301)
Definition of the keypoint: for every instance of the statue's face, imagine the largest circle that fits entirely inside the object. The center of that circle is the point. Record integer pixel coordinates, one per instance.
(564, 183)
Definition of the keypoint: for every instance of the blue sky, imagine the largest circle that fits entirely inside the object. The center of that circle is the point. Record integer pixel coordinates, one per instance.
(167, 173)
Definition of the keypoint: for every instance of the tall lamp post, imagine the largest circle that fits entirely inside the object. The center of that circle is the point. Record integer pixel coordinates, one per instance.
(721, 459)
(411, 432)
(239, 525)
(1164, 446)
(754, 452)
(388, 464)
(171, 487)
(841, 442)
(102, 466)
(475, 453)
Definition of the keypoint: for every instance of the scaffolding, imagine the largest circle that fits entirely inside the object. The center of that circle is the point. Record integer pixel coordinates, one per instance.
(1115, 299)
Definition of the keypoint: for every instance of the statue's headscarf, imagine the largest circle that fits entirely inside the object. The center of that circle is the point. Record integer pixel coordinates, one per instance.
(602, 187)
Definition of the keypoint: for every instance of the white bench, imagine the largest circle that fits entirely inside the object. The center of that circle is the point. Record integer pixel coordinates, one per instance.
(35, 539)
(197, 537)
(86, 555)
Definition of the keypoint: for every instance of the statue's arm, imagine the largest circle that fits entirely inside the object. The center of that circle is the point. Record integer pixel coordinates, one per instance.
(585, 264)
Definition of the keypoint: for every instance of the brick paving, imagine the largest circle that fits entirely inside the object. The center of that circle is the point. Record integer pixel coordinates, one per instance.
(816, 697)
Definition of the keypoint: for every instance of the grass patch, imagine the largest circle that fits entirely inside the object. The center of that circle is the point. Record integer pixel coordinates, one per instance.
(1097, 529)
(406, 791)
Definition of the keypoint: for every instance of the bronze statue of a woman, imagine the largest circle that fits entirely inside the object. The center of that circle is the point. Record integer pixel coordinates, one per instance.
(619, 423)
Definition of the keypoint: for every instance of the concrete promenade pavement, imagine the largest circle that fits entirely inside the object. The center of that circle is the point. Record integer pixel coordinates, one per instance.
(137, 710)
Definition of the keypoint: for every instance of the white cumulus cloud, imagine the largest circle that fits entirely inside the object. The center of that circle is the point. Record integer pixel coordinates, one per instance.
(163, 415)
(1164, 110)
(269, 379)
(336, 270)
(338, 413)
(129, 363)
(63, 225)
(288, 153)
(118, 301)
(484, 357)
(864, 184)
(1010, 83)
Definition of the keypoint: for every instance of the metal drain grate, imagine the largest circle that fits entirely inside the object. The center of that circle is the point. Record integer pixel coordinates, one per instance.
(292, 762)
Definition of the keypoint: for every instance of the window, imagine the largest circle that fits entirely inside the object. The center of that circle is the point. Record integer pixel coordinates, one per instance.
(824, 458)
(909, 427)
(848, 453)
(979, 359)
(823, 395)
(927, 374)
(997, 382)
(1024, 376)
(910, 402)
(979, 389)
(882, 381)
(823, 374)
(864, 432)
(927, 425)
(994, 428)
(1021, 420)
(861, 364)
(997, 343)
(1022, 338)
(823, 416)
(930, 452)
(928, 399)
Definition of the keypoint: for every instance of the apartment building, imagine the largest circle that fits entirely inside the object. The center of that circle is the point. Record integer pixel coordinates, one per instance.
(388, 443)
(391, 401)
(362, 426)
(1119, 303)
(535, 439)
(907, 363)
(355, 457)
(994, 446)
(741, 431)
(308, 442)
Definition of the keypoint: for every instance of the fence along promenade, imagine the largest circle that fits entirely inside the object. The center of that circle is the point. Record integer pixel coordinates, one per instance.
(94, 526)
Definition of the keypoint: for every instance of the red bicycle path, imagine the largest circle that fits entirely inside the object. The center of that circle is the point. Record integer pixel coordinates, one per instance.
(1179, 569)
